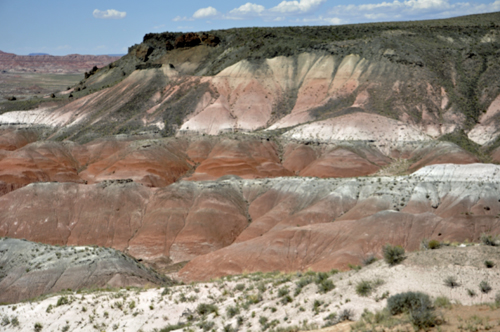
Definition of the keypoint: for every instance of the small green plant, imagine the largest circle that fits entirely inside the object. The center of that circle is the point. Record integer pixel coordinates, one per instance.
(240, 287)
(346, 314)
(451, 282)
(286, 299)
(169, 328)
(5, 321)
(207, 308)
(62, 301)
(485, 287)
(65, 328)
(324, 284)
(283, 291)
(471, 292)
(317, 305)
(232, 311)
(14, 321)
(490, 240)
(393, 255)
(442, 302)
(369, 260)
(206, 325)
(434, 244)
(489, 264)
(364, 288)
(38, 327)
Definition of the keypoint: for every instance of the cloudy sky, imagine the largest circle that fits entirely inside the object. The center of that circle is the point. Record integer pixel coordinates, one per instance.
(110, 26)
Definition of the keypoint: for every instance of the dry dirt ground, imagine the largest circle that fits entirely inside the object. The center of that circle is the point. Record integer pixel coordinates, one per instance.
(27, 85)
(282, 302)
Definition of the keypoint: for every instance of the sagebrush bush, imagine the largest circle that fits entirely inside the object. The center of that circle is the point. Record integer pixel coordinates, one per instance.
(232, 311)
(490, 240)
(451, 282)
(434, 244)
(418, 305)
(485, 287)
(442, 302)
(489, 264)
(206, 309)
(369, 260)
(38, 327)
(364, 288)
(405, 302)
(393, 255)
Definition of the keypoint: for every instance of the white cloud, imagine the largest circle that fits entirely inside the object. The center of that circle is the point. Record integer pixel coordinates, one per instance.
(180, 19)
(302, 6)
(307, 11)
(409, 10)
(249, 8)
(109, 14)
(205, 12)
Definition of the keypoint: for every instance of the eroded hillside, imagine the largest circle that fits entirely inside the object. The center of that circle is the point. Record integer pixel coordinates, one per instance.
(217, 153)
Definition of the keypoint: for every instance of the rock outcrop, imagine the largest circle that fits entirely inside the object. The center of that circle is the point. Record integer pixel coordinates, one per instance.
(28, 270)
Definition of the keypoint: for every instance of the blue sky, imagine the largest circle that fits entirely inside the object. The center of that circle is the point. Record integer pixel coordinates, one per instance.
(109, 26)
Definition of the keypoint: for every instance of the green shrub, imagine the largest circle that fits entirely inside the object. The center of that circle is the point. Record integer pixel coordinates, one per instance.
(408, 301)
(5, 321)
(240, 287)
(232, 311)
(369, 260)
(169, 328)
(451, 282)
(324, 284)
(423, 317)
(304, 281)
(442, 302)
(485, 287)
(283, 291)
(206, 309)
(38, 327)
(286, 299)
(62, 301)
(434, 244)
(14, 321)
(393, 255)
(497, 298)
(489, 264)
(364, 288)
(471, 292)
(346, 314)
(490, 240)
(418, 305)
(206, 325)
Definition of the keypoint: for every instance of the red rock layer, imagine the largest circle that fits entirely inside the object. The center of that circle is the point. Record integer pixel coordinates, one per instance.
(237, 225)
(73, 63)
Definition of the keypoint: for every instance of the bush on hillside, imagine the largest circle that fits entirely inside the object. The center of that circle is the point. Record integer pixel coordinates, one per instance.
(393, 255)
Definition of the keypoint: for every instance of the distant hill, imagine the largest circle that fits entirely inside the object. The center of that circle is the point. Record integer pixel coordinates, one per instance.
(44, 63)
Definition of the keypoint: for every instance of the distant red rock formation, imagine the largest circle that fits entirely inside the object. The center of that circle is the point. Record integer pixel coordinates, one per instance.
(72, 63)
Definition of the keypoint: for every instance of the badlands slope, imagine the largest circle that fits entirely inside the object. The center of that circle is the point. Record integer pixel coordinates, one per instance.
(272, 301)
(231, 226)
(247, 150)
